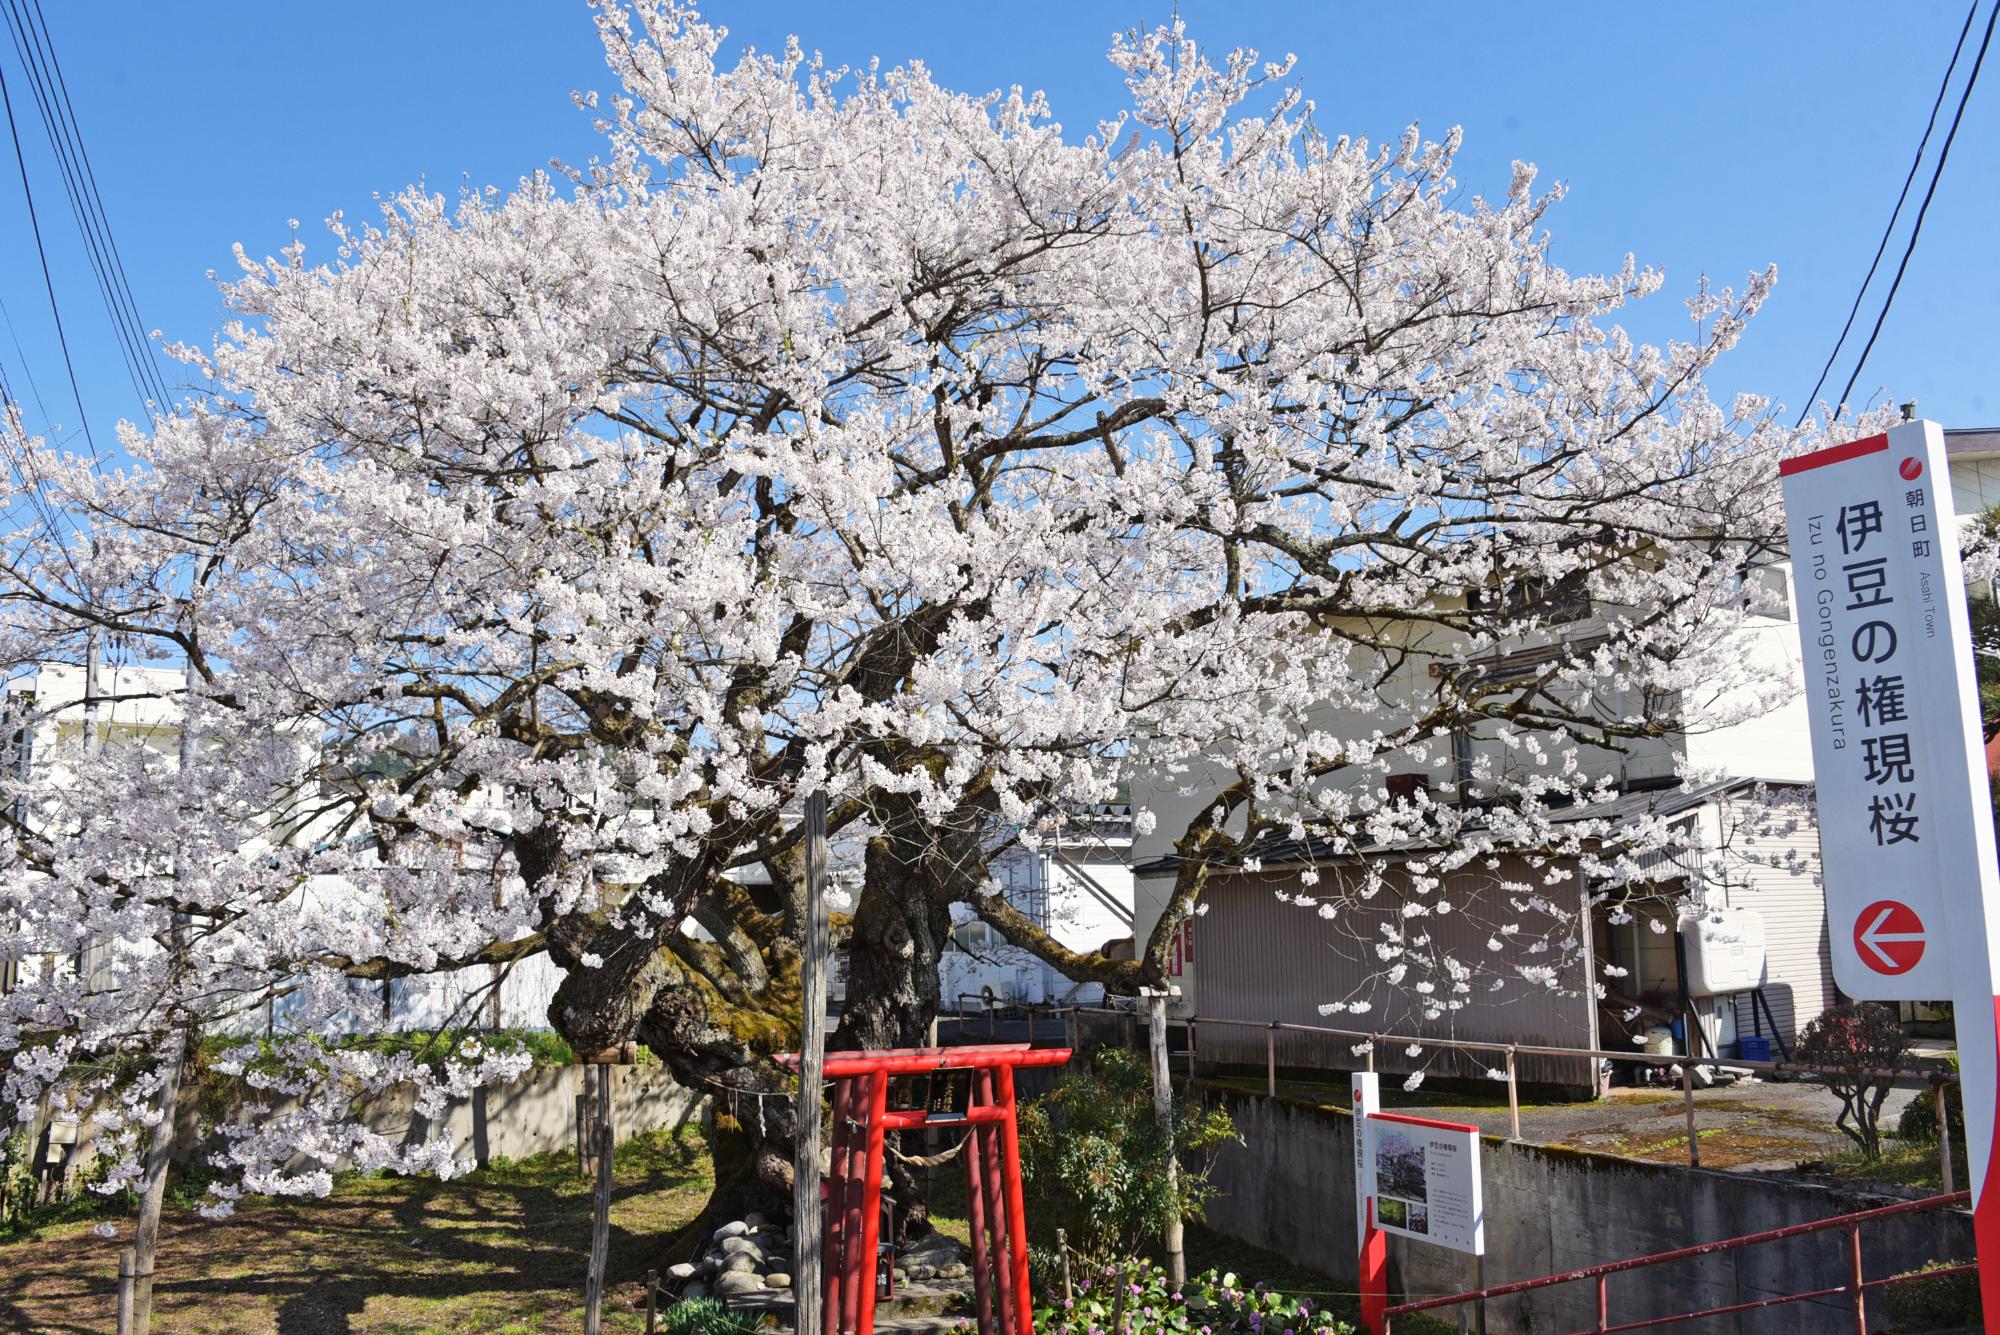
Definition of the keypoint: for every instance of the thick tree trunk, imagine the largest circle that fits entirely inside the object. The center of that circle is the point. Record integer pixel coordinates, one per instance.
(894, 951)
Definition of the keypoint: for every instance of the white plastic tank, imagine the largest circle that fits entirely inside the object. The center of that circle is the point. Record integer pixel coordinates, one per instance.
(1725, 951)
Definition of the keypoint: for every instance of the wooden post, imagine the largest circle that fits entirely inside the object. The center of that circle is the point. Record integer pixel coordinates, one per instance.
(807, 1290)
(128, 1268)
(1513, 1099)
(1854, 1280)
(652, 1300)
(1271, 1060)
(1944, 1137)
(1163, 1108)
(600, 1217)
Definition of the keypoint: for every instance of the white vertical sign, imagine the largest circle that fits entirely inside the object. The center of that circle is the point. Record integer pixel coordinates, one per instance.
(1905, 808)
(1882, 621)
(1367, 1102)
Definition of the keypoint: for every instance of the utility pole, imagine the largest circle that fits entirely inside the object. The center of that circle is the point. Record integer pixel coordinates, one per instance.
(816, 945)
(90, 734)
(1163, 1109)
(159, 1153)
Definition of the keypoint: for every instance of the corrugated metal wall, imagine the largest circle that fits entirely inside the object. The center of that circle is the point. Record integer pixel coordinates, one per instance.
(1263, 960)
(1798, 964)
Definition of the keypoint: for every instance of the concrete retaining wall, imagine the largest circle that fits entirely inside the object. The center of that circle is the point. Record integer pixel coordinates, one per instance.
(1290, 1187)
(535, 1114)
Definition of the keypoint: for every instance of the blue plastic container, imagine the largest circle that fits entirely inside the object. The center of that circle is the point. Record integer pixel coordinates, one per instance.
(1753, 1048)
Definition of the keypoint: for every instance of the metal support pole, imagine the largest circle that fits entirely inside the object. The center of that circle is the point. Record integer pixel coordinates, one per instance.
(1271, 1060)
(1687, 1093)
(1603, 1303)
(1190, 1074)
(1513, 1098)
(1371, 1052)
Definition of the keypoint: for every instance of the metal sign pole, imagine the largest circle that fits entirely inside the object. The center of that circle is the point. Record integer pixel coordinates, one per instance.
(1372, 1246)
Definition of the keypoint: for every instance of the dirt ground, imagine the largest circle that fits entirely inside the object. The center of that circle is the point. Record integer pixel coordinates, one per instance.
(502, 1250)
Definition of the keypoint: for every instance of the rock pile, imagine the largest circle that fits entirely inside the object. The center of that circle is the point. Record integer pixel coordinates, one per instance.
(752, 1254)
(746, 1255)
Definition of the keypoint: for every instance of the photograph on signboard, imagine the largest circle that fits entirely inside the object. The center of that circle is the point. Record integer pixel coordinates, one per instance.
(1399, 1165)
(1391, 1213)
(1420, 1219)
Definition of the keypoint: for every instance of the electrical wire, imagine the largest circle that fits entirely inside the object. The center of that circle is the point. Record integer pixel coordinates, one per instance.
(1917, 228)
(111, 241)
(36, 50)
(48, 282)
(1882, 247)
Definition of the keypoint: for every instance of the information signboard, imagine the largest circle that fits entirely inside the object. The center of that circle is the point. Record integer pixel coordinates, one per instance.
(1424, 1176)
(1905, 810)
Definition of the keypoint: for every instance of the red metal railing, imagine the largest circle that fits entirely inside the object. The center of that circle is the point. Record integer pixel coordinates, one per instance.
(1856, 1286)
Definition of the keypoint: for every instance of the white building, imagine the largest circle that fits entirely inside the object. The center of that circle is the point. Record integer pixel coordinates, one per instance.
(1077, 886)
(1250, 957)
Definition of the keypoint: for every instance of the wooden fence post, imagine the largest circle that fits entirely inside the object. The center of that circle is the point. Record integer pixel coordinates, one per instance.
(1163, 1108)
(128, 1278)
(1944, 1137)
(600, 1221)
(808, 1293)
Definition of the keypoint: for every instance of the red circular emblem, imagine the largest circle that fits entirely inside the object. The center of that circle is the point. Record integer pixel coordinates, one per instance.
(1889, 937)
(1911, 468)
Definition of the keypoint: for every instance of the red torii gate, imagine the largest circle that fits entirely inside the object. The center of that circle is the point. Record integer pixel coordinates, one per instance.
(852, 1192)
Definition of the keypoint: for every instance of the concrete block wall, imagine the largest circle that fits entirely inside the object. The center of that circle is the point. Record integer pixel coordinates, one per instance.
(534, 1114)
(1290, 1188)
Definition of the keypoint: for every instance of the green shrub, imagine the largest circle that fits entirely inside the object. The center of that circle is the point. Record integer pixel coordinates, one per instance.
(703, 1316)
(1135, 1297)
(1095, 1156)
(1918, 1123)
(1941, 1303)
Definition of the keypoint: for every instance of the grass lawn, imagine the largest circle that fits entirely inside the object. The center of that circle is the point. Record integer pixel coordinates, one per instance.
(502, 1250)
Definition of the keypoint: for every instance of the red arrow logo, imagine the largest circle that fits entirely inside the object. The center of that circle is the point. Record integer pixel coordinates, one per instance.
(1889, 937)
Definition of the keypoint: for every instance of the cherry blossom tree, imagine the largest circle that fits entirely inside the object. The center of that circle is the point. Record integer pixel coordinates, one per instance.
(534, 553)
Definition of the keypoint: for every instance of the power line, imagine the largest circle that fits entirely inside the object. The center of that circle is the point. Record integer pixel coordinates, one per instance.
(36, 49)
(1882, 247)
(144, 341)
(1917, 228)
(27, 369)
(35, 224)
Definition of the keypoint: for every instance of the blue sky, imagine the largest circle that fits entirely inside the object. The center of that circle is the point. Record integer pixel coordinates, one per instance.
(1706, 137)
